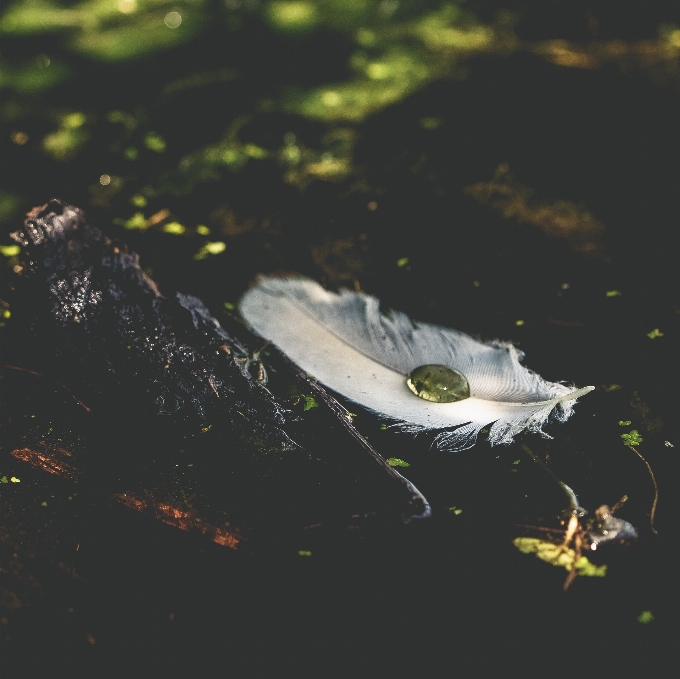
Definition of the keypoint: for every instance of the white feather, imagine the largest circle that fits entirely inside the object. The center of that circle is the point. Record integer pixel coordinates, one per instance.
(344, 342)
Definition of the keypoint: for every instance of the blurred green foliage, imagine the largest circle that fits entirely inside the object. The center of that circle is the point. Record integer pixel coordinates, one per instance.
(141, 100)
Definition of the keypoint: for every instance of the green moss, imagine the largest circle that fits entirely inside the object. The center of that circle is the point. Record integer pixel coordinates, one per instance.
(558, 555)
(632, 438)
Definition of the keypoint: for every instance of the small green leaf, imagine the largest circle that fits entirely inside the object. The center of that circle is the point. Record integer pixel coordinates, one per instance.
(202, 230)
(613, 293)
(43, 504)
(304, 552)
(383, 427)
(310, 403)
(655, 333)
(229, 306)
(519, 322)
(456, 510)
(402, 262)
(397, 462)
(15, 479)
(612, 387)
(4, 479)
(633, 438)
(624, 423)
(516, 461)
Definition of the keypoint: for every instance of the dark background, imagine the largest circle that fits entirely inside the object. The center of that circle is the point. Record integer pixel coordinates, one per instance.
(585, 134)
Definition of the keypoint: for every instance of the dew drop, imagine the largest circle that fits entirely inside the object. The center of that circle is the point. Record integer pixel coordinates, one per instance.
(438, 383)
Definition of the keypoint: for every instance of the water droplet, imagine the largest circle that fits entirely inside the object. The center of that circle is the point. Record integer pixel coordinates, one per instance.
(438, 383)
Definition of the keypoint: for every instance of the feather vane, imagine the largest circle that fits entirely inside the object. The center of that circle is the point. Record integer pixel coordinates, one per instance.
(347, 344)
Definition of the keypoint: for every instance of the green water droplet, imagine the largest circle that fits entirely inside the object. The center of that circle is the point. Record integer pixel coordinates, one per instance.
(438, 383)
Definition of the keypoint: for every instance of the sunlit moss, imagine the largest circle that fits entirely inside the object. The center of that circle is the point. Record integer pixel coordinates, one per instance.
(71, 135)
(109, 29)
(154, 142)
(365, 37)
(253, 151)
(383, 82)
(673, 38)
(137, 221)
(292, 15)
(9, 250)
(174, 228)
(559, 555)
(211, 248)
(333, 162)
(149, 34)
(439, 31)
(43, 16)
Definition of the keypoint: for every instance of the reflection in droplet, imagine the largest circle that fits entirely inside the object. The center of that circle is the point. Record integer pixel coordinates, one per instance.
(438, 383)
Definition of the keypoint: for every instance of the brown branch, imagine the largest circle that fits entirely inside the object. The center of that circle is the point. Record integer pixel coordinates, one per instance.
(656, 490)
